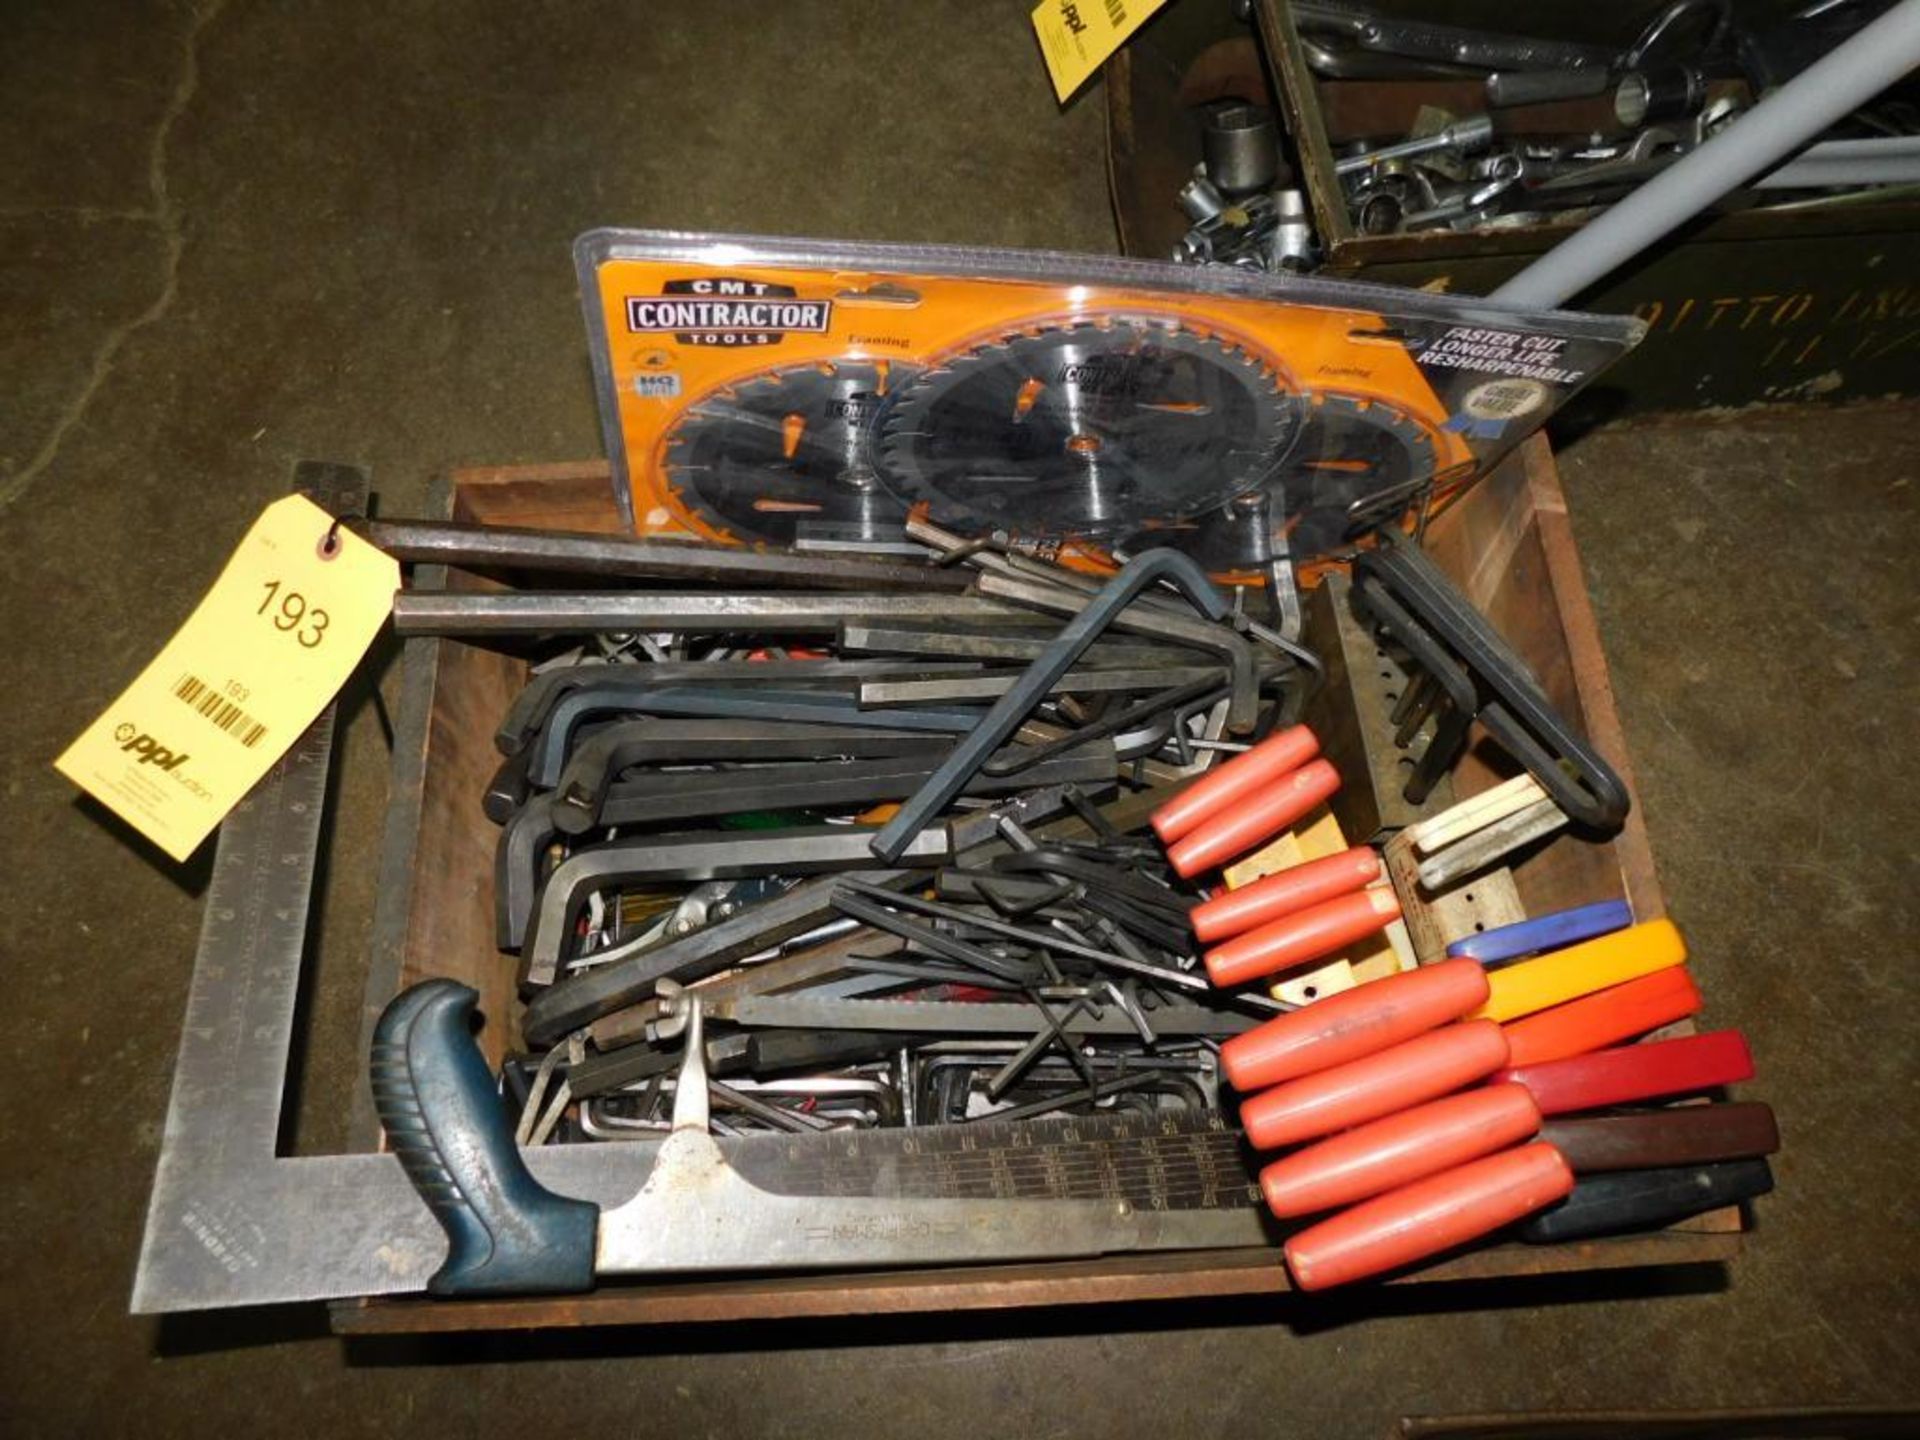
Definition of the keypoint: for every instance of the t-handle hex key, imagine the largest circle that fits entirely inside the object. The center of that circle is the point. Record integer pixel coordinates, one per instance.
(1010, 709)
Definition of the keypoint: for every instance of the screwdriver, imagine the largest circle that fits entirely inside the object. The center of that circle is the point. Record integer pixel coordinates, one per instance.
(1398, 1149)
(1423, 1068)
(1647, 1199)
(1704, 1157)
(1655, 1139)
(1636, 1072)
(1544, 932)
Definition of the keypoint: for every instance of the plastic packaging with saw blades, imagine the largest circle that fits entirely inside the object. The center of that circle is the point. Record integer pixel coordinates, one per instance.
(787, 392)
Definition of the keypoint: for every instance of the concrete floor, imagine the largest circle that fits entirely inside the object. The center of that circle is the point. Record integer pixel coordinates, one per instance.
(232, 236)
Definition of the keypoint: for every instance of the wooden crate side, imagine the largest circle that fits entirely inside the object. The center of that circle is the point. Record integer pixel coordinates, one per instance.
(1115, 1280)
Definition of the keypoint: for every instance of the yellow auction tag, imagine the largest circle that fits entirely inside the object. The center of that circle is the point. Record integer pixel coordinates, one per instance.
(1077, 36)
(269, 645)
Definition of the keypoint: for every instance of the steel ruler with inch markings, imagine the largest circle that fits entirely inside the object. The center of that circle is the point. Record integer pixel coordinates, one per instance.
(233, 1222)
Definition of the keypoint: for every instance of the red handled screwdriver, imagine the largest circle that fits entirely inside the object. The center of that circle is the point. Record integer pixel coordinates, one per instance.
(1251, 820)
(1273, 757)
(1398, 1149)
(1354, 1023)
(1305, 935)
(1636, 1072)
(1428, 1216)
(1423, 1068)
(1285, 892)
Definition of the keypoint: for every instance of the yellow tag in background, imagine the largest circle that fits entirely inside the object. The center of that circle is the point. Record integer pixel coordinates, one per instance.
(1077, 36)
(268, 646)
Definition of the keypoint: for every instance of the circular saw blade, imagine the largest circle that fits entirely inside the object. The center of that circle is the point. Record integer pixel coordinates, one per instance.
(1087, 429)
(1351, 449)
(787, 456)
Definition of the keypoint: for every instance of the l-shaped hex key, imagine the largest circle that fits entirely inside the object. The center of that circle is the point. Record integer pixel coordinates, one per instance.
(1011, 708)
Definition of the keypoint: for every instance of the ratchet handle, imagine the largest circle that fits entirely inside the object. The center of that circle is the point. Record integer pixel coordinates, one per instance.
(506, 1233)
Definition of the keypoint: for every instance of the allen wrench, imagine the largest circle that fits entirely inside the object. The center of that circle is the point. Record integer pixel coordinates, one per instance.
(1003, 719)
(1156, 622)
(716, 855)
(527, 714)
(595, 702)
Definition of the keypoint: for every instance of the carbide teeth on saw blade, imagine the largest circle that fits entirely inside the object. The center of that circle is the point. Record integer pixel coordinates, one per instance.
(737, 461)
(1087, 428)
(1351, 448)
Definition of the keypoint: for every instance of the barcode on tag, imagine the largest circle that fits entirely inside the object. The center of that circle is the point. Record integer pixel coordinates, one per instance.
(220, 710)
(1116, 13)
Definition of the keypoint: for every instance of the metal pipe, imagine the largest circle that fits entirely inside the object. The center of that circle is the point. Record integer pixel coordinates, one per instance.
(1888, 160)
(561, 552)
(462, 613)
(1830, 88)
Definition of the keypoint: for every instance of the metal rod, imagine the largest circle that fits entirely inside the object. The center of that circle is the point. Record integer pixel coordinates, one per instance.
(563, 552)
(1830, 88)
(461, 613)
(997, 727)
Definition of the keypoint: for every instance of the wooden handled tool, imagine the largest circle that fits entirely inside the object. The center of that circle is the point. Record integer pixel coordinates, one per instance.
(1658, 1139)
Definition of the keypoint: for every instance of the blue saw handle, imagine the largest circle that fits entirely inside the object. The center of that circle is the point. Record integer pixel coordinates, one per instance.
(506, 1233)
(1544, 932)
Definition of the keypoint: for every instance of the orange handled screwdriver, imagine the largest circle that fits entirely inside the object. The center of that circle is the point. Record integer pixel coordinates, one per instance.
(1302, 936)
(1398, 1149)
(1353, 1023)
(1269, 760)
(1605, 1017)
(1254, 819)
(1415, 1070)
(1283, 893)
(1428, 1216)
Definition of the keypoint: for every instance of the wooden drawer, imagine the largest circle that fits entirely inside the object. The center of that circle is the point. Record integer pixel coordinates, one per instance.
(1507, 543)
